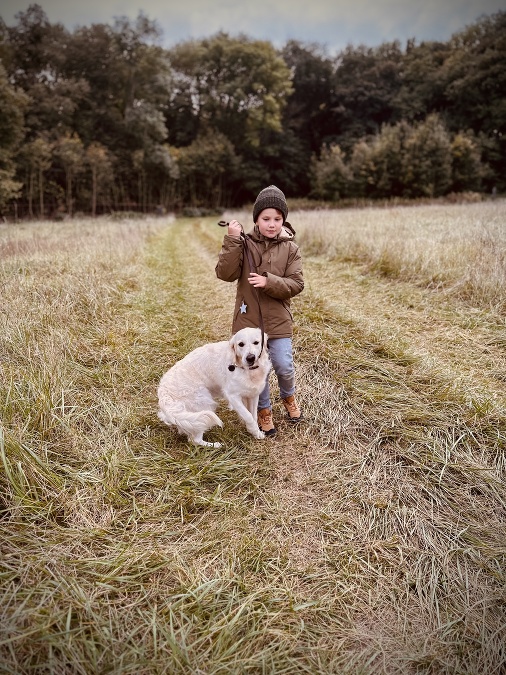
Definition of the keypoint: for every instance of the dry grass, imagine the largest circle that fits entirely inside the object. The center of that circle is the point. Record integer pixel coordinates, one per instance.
(370, 539)
(457, 249)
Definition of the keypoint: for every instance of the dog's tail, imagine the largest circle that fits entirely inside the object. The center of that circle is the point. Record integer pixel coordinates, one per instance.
(193, 424)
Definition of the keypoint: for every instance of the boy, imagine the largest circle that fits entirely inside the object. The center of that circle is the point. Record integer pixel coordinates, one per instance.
(264, 293)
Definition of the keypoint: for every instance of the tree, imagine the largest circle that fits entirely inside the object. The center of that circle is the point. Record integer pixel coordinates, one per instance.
(475, 86)
(427, 171)
(129, 79)
(11, 135)
(237, 86)
(163, 173)
(476, 76)
(280, 159)
(389, 157)
(203, 167)
(362, 168)
(308, 110)
(99, 162)
(330, 177)
(37, 53)
(307, 115)
(36, 48)
(69, 150)
(155, 169)
(266, 113)
(37, 159)
(138, 162)
(366, 84)
(467, 168)
(423, 81)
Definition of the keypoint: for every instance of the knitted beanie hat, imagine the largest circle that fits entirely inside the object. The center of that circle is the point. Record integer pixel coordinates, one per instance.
(270, 198)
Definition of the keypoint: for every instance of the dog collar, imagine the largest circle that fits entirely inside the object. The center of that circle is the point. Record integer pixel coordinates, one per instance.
(232, 368)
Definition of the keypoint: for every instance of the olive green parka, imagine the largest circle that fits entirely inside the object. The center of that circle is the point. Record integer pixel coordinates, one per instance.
(277, 259)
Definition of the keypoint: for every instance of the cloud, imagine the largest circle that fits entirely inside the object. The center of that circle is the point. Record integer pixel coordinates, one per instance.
(334, 23)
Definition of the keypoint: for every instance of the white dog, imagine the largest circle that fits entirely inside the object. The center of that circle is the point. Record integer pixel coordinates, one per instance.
(235, 370)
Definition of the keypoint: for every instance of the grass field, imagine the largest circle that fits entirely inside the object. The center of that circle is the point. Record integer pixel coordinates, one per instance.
(369, 539)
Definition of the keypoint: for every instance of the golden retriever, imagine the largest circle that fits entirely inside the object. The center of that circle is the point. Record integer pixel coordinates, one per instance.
(234, 370)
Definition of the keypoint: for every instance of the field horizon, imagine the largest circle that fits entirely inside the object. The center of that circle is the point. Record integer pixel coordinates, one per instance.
(368, 539)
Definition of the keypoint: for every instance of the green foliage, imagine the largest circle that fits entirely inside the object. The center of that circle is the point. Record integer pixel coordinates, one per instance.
(467, 168)
(69, 150)
(428, 160)
(9, 188)
(99, 162)
(388, 161)
(423, 80)
(365, 86)
(475, 84)
(36, 157)
(403, 160)
(11, 134)
(308, 111)
(238, 86)
(215, 120)
(204, 166)
(330, 176)
(476, 76)
(11, 114)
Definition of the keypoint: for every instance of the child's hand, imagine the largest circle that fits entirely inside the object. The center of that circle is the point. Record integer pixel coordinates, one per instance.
(257, 280)
(234, 228)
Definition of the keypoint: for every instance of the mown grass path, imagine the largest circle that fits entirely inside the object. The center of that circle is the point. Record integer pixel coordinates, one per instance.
(461, 343)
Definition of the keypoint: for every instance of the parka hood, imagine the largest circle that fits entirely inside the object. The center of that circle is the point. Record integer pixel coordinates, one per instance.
(287, 233)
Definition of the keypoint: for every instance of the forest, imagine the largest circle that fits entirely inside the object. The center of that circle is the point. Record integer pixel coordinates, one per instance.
(104, 119)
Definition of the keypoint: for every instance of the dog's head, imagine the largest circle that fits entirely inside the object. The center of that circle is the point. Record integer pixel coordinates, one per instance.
(246, 346)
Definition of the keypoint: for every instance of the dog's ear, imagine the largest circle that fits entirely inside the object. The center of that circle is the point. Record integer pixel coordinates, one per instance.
(233, 353)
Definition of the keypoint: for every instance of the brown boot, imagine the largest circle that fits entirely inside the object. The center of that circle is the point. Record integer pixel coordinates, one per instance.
(265, 422)
(292, 409)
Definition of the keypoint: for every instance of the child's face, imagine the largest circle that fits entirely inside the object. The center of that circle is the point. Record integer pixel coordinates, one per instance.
(270, 222)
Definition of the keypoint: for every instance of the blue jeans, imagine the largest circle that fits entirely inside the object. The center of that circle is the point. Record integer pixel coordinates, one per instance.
(280, 352)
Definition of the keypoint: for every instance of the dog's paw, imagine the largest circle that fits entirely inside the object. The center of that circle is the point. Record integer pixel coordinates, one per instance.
(259, 435)
(206, 444)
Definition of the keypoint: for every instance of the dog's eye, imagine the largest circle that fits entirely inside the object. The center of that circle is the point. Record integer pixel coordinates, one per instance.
(241, 344)
(256, 342)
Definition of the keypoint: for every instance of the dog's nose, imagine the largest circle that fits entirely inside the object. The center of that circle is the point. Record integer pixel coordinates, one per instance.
(250, 359)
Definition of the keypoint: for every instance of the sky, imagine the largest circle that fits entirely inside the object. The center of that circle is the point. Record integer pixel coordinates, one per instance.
(333, 24)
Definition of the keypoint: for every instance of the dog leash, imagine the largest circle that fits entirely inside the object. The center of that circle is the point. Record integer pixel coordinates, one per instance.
(253, 268)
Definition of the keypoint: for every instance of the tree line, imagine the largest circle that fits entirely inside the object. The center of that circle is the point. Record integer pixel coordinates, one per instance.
(103, 118)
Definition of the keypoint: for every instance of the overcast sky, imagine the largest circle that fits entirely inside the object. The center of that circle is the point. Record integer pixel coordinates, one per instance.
(331, 23)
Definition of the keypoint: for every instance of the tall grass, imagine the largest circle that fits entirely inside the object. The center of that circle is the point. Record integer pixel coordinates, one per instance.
(370, 539)
(458, 249)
